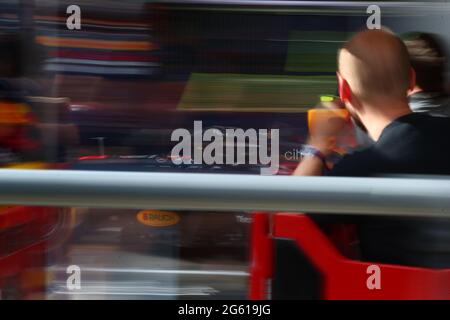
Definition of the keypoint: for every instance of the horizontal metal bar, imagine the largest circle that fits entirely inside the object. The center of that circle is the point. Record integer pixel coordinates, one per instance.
(415, 6)
(292, 3)
(139, 190)
(228, 273)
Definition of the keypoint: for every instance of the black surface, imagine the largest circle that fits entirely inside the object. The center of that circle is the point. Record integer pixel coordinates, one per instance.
(295, 277)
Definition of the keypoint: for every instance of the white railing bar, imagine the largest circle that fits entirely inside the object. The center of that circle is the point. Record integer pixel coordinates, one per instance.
(190, 191)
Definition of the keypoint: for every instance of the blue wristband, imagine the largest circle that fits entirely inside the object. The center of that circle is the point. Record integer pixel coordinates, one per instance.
(310, 151)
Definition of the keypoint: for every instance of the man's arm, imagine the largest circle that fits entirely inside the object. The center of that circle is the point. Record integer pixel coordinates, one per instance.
(310, 166)
(322, 141)
(314, 155)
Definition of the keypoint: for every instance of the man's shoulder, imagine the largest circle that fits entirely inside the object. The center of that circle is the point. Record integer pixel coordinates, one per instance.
(421, 119)
(357, 163)
(415, 129)
(413, 144)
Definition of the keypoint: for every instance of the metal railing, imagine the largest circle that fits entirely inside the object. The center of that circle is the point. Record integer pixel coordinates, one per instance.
(104, 189)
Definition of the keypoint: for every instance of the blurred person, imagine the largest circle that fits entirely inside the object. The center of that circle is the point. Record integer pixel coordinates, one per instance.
(18, 136)
(374, 78)
(17, 141)
(428, 60)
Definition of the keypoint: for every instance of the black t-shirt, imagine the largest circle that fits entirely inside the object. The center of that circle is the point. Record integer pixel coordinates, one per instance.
(412, 144)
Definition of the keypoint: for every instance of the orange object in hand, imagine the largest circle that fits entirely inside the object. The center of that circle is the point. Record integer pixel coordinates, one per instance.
(322, 121)
(333, 126)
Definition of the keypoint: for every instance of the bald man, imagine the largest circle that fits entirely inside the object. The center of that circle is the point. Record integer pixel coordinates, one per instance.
(374, 79)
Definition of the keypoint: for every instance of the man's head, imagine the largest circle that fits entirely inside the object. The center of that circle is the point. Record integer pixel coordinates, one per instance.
(374, 73)
(428, 60)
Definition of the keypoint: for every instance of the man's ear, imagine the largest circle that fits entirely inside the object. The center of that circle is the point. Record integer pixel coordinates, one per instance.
(412, 80)
(344, 88)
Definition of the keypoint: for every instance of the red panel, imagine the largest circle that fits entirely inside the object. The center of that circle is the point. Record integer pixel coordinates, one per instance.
(260, 256)
(347, 279)
(26, 246)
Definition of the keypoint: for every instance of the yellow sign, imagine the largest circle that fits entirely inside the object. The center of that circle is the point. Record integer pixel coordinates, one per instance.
(156, 218)
(28, 165)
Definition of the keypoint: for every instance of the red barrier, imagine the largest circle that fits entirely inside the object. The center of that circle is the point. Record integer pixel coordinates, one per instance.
(343, 278)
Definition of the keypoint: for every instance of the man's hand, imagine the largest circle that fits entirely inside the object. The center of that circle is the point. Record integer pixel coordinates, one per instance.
(326, 125)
